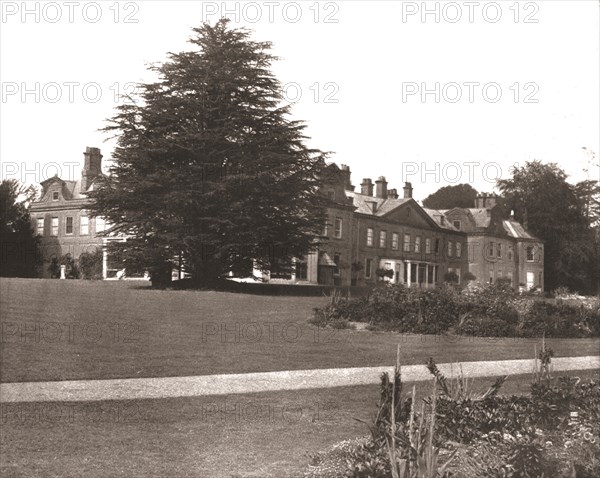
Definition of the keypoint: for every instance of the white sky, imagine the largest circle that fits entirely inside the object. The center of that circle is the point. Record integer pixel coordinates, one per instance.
(364, 61)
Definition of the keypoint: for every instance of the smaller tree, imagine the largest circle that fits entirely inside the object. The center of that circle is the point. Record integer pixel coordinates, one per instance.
(18, 245)
(461, 195)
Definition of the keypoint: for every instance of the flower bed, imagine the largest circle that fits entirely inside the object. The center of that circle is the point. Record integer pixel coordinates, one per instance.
(552, 432)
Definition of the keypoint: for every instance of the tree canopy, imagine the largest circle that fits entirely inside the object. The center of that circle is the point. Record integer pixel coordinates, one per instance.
(18, 245)
(209, 167)
(557, 213)
(461, 195)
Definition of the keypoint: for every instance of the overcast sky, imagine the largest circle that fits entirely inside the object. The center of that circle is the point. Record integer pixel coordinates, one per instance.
(457, 93)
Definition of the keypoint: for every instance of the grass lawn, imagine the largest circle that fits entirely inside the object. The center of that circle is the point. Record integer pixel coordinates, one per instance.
(68, 330)
(262, 435)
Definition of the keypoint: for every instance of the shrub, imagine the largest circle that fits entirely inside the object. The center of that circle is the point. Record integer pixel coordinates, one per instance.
(560, 320)
(90, 264)
(71, 270)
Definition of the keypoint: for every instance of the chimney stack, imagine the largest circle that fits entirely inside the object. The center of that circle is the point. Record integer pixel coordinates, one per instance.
(408, 190)
(366, 187)
(345, 172)
(485, 201)
(92, 167)
(392, 193)
(381, 187)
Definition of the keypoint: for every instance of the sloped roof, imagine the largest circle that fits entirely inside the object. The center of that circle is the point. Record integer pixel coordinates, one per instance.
(325, 260)
(436, 215)
(384, 206)
(516, 230)
(481, 217)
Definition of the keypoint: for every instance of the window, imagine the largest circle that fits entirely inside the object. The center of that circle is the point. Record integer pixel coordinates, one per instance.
(491, 250)
(437, 246)
(456, 224)
(69, 225)
(458, 249)
(39, 227)
(457, 272)
(442, 220)
(326, 228)
(55, 196)
(301, 270)
(337, 229)
(406, 242)
(382, 239)
(331, 195)
(510, 253)
(370, 236)
(54, 227)
(530, 254)
(100, 224)
(408, 211)
(499, 250)
(84, 226)
(449, 248)
(395, 241)
(368, 267)
(428, 246)
(336, 259)
(418, 244)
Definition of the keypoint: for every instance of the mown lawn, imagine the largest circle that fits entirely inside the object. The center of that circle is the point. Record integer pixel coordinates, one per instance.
(67, 330)
(264, 435)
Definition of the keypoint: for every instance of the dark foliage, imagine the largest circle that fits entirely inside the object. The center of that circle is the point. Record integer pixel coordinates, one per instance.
(461, 195)
(209, 167)
(90, 264)
(18, 245)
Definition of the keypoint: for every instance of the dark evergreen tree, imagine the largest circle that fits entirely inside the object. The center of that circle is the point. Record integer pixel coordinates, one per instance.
(461, 195)
(18, 245)
(209, 166)
(552, 210)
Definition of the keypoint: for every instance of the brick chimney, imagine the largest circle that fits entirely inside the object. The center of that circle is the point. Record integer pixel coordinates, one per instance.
(92, 167)
(345, 173)
(381, 187)
(392, 193)
(366, 187)
(485, 201)
(408, 191)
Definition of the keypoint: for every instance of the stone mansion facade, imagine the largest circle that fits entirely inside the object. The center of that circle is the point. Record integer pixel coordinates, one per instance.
(371, 235)
(374, 234)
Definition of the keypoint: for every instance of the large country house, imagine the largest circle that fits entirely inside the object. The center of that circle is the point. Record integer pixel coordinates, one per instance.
(375, 235)
(370, 236)
(61, 219)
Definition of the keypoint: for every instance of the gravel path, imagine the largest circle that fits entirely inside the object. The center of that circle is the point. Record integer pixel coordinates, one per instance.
(168, 387)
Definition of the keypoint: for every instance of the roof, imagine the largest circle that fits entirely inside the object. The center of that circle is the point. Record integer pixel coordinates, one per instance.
(325, 260)
(384, 206)
(481, 217)
(437, 215)
(516, 230)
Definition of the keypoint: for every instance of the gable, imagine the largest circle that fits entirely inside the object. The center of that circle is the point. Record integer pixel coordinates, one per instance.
(411, 214)
(52, 188)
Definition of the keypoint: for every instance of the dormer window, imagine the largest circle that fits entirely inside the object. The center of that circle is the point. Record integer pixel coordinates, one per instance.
(55, 195)
(456, 224)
